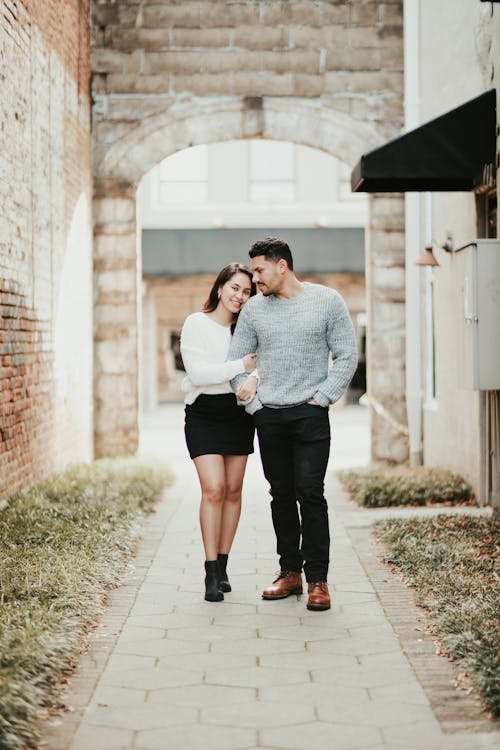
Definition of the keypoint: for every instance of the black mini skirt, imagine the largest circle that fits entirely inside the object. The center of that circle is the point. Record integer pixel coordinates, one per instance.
(217, 425)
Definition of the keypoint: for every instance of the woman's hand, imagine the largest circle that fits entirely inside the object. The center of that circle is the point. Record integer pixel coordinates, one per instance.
(247, 390)
(249, 362)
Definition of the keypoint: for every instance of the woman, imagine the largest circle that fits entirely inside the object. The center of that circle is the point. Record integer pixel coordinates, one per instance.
(219, 433)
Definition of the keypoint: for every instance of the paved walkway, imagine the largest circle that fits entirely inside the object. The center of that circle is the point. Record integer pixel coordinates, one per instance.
(167, 670)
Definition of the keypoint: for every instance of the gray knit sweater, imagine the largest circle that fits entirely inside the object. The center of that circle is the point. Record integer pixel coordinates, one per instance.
(293, 339)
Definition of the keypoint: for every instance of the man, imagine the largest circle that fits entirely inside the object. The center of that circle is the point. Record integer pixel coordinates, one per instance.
(293, 327)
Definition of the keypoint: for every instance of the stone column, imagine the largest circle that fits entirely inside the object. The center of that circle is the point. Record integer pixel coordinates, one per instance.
(116, 318)
(385, 284)
(149, 368)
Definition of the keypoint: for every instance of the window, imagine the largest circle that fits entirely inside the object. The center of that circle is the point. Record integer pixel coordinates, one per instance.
(272, 172)
(486, 211)
(184, 176)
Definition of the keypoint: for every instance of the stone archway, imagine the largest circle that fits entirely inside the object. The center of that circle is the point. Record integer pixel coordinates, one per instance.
(119, 166)
(197, 121)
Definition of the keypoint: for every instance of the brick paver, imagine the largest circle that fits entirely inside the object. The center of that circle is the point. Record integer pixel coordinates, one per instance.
(168, 670)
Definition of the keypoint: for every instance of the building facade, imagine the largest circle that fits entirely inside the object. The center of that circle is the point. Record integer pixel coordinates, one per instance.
(460, 423)
(447, 165)
(46, 349)
(166, 76)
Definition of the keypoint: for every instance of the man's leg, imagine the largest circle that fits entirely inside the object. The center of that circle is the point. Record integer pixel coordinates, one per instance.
(276, 450)
(311, 451)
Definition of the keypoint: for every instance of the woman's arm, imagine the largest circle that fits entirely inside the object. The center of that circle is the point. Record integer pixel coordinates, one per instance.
(201, 373)
(194, 357)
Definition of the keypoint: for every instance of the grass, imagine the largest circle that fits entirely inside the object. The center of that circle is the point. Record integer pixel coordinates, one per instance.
(406, 486)
(452, 561)
(63, 544)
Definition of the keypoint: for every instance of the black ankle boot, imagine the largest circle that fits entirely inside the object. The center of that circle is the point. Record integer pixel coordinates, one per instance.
(224, 580)
(213, 591)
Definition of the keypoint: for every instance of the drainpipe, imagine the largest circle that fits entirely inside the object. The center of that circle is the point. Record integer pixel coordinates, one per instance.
(413, 239)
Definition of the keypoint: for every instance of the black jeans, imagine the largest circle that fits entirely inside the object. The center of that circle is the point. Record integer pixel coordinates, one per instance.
(294, 447)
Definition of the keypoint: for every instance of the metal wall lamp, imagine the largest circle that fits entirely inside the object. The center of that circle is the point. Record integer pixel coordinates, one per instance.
(427, 258)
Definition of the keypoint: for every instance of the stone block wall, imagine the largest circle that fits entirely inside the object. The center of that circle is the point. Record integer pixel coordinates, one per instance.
(386, 371)
(147, 56)
(169, 75)
(116, 309)
(45, 240)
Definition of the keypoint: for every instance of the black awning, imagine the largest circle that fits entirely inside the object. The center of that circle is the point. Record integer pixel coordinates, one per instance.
(448, 153)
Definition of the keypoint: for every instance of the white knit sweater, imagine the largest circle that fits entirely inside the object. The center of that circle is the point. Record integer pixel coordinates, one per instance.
(204, 348)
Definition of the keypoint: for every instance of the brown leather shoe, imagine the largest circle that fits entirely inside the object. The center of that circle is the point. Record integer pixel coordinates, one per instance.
(288, 582)
(319, 598)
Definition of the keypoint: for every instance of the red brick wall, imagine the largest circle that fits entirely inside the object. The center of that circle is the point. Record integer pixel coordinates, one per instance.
(45, 187)
(25, 376)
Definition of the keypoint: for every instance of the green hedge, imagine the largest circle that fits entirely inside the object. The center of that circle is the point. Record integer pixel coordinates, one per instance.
(452, 561)
(62, 546)
(405, 486)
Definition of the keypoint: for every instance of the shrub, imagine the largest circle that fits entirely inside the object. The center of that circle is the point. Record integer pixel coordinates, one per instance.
(62, 546)
(406, 486)
(453, 564)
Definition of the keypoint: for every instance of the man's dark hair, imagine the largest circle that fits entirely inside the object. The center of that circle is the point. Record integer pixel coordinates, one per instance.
(272, 248)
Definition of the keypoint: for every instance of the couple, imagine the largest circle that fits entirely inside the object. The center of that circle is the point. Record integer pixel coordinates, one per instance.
(288, 332)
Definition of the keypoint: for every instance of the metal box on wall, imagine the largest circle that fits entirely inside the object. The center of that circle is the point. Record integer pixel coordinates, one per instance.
(478, 277)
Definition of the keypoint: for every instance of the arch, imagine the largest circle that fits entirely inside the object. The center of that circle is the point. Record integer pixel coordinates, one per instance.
(126, 151)
(203, 120)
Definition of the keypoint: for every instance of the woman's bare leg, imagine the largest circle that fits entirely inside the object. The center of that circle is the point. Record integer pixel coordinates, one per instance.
(212, 476)
(231, 509)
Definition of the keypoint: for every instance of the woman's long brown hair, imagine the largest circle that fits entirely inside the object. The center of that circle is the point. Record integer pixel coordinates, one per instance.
(222, 278)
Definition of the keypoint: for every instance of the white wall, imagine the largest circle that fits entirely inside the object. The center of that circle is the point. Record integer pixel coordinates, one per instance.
(456, 65)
